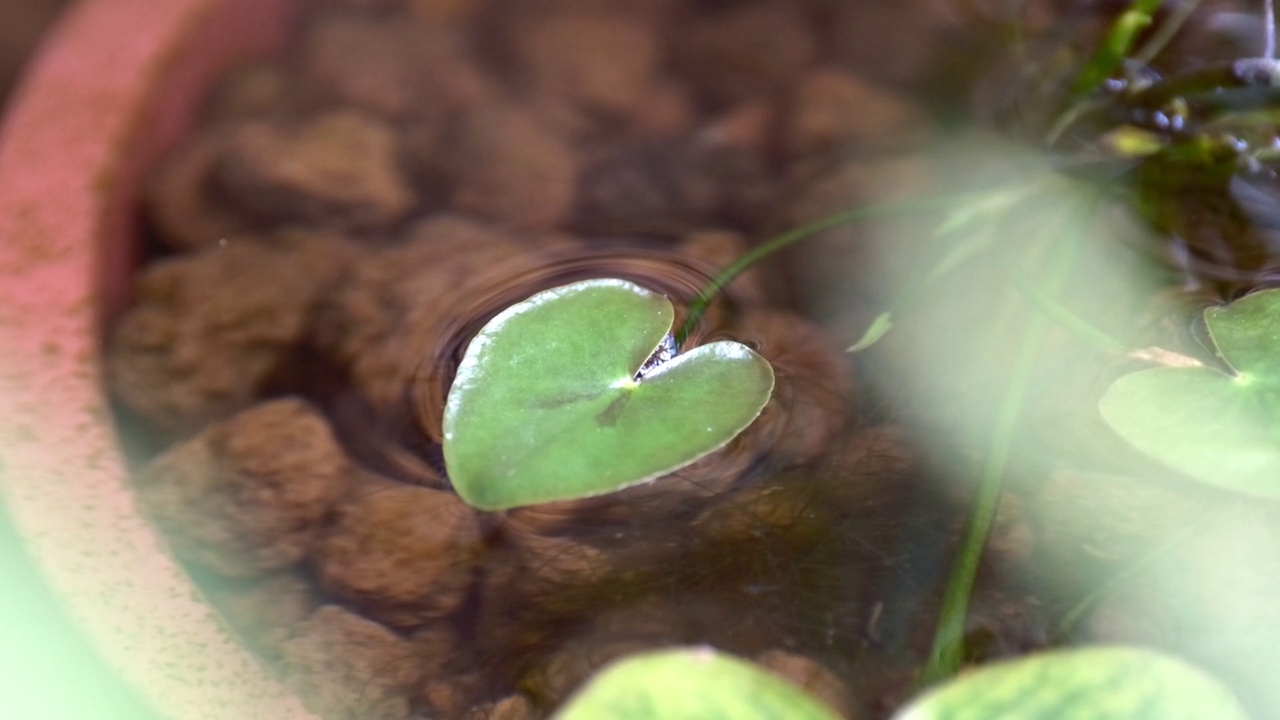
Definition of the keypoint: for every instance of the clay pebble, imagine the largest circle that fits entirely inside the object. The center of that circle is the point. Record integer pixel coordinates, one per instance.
(248, 496)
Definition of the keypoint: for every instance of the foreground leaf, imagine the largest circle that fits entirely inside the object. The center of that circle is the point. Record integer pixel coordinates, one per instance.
(690, 684)
(1089, 684)
(547, 405)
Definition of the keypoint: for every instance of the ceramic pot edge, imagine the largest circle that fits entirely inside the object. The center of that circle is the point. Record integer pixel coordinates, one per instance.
(68, 164)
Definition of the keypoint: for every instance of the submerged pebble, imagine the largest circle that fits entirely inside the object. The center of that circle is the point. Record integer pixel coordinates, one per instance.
(209, 330)
(249, 495)
(352, 668)
(401, 554)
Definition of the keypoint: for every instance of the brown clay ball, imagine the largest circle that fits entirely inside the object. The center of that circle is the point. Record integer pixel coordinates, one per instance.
(400, 553)
(247, 496)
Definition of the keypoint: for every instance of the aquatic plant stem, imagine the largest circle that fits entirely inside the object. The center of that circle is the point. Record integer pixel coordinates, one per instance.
(969, 208)
(947, 653)
(791, 237)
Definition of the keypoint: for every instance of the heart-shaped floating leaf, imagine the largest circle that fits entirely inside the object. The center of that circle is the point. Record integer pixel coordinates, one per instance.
(549, 402)
(1219, 428)
(690, 684)
(1104, 683)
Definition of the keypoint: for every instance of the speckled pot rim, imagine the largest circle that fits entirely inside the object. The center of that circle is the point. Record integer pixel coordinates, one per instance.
(116, 83)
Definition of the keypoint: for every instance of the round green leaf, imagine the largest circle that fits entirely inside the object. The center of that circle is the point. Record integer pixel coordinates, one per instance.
(690, 684)
(1200, 422)
(1247, 334)
(1088, 684)
(548, 405)
(1219, 428)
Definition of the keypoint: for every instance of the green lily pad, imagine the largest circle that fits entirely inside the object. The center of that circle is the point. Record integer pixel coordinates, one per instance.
(550, 403)
(1104, 683)
(690, 684)
(1222, 429)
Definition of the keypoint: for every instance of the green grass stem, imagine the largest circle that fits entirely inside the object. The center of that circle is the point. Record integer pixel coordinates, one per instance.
(804, 232)
(947, 653)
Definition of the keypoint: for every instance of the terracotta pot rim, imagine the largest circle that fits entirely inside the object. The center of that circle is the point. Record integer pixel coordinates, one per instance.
(83, 106)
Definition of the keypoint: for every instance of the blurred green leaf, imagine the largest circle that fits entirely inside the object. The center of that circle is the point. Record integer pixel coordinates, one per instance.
(1222, 429)
(1104, 683)
(690, 684)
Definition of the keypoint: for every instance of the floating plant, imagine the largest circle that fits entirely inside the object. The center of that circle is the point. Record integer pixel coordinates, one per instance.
(1221, 427)
(579, 391)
